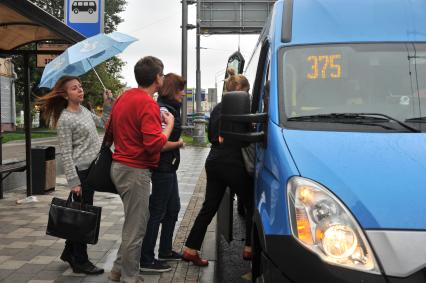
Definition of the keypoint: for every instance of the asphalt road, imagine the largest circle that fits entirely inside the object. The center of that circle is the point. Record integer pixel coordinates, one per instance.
(230, 264)
(15, 150)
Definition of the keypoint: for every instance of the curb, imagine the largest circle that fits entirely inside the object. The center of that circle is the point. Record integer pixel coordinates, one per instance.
(184, 271)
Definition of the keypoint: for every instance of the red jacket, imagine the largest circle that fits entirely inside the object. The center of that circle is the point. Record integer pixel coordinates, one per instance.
(137, 132)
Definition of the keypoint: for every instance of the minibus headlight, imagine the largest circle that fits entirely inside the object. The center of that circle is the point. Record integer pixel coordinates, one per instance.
(321, 223)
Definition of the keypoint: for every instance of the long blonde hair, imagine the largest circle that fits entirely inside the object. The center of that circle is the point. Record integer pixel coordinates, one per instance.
(53, 103)
(236, 82)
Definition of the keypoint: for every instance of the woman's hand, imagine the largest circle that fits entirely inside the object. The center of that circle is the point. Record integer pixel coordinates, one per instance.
(169, 119)
(220, 139)
(108, 98)
(76, 190)
(181, 143)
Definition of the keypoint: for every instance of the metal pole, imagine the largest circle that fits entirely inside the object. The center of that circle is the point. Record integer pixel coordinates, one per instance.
(99, 78)
(1, 146)
(27, 122)
(198, 71)
(199, 121)
(184, 57)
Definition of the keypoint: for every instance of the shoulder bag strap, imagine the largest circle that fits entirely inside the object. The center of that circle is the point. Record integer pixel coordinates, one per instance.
(108, 137)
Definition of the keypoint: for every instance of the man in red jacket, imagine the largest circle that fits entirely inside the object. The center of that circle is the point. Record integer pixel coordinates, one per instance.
(138, 140)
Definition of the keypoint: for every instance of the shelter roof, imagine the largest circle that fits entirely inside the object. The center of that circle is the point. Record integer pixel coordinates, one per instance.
(22, 22)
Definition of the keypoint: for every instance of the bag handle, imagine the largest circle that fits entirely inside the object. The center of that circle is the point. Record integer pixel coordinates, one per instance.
(71, 199)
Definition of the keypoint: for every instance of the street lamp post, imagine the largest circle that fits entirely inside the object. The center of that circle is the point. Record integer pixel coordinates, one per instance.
(184, 64)
(198, 69)
(199, 121)
(184, 55)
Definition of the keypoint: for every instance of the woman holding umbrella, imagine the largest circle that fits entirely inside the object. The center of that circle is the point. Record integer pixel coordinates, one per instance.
(79, 144)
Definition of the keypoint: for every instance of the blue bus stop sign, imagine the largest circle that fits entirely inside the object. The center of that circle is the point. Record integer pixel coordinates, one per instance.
(85, 16)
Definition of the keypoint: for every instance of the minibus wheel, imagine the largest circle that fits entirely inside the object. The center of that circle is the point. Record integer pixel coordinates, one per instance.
(75, 11)
(90, 11)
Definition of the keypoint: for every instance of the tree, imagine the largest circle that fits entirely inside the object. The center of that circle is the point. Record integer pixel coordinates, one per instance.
(108, 71)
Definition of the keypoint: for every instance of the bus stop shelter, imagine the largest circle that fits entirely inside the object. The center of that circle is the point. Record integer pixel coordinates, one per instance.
(22, 23)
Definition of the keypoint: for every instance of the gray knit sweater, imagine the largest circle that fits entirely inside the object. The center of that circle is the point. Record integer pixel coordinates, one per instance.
(78, 140)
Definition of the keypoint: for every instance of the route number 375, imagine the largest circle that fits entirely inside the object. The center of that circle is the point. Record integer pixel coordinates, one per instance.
(324, 66)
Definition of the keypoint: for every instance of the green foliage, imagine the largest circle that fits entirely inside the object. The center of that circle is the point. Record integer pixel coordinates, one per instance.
(189, 141)
(93, 88)
(112, 9)
(108, 71)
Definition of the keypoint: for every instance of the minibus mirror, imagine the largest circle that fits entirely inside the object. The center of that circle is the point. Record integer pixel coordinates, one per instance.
(236, 119)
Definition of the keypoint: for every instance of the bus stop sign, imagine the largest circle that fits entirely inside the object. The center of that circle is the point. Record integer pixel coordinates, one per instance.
(85, 16)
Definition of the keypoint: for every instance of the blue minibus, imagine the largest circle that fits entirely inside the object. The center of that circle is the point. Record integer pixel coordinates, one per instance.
(339, 101)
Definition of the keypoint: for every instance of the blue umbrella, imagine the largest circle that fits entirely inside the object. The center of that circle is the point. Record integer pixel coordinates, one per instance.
(84, 56)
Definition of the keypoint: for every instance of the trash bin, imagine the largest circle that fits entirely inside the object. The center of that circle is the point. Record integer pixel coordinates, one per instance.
(43, 166)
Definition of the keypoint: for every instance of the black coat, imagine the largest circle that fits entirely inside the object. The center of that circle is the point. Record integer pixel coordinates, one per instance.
(169, 160)
(228, 152)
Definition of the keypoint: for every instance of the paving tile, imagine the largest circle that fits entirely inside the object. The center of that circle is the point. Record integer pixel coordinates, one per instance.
(65, 279)
(106, 224)
(49, 275)
(37, 233)
(41, 220)
(42, 259)
(27, 254)
(44, 243)
(57, 265)
(4, 258)
(97, 278)
(30, 268)
(5, 273)
(111, 237)
(6, 251)
(96, 255)
(70, 273)
(21, 231)
(18, 278)
(19, 245)
(12, 264)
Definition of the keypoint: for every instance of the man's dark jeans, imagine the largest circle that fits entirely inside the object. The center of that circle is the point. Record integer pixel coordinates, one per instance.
(164, 206)
(79, 250)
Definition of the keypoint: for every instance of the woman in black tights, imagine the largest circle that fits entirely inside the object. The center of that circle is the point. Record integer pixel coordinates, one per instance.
(224, 168)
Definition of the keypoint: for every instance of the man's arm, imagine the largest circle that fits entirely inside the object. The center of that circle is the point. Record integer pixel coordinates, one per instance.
(154, 138)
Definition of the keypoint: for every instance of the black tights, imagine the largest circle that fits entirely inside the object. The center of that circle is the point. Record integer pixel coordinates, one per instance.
(220, 176)
(76, 249)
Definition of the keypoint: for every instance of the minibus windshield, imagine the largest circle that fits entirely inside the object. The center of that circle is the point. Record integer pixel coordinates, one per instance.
(386, 78)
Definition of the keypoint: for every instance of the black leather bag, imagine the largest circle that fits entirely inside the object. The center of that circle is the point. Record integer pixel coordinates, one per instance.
(99, 176)
(72, 220)
(249, 157)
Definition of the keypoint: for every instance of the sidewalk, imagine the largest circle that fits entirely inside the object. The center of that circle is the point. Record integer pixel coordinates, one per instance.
(27, 254)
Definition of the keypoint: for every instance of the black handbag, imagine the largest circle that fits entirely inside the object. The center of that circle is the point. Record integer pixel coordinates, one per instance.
(249, 157)
(75, 221)
(99, 176)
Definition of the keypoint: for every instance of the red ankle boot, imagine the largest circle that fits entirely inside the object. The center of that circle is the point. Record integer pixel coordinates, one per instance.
(247, 255)
(195, 259)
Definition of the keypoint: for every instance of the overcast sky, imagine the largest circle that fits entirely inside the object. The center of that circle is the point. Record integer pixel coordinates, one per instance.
(157, 26)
